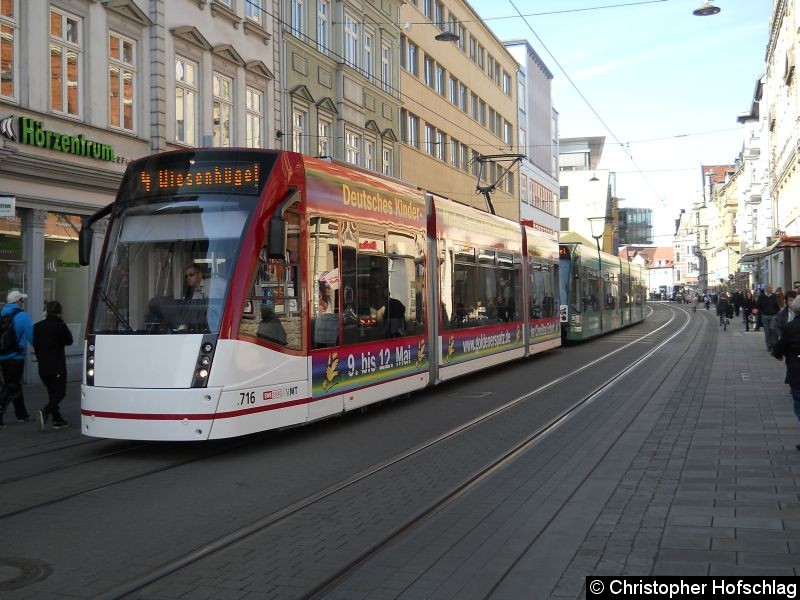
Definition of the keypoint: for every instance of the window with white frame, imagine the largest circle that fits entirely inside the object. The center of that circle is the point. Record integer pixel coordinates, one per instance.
(298, 17)
(222, 109)
(507, 135)
(440, 148)
(8, 49)
(453, 90)
(324, 129)
(255, 117)
(299, 126)
(253, 11)
(523, 188)
(506, 84)
(462, 97)
(409, 124)
(121, 81)
(428, 68)
(388, 157)
(370, 158)
(186, 105)
(438, 14)
(523, 142)
(412, 58)
(352, 147)
(368, 64)
(439, 84)
(386, 67)
(454, 152)
(323, 26)
(521, 104)
(65, 63)
(430, 141)
(351, 40)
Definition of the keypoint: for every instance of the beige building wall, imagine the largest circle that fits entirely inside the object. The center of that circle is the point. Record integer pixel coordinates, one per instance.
(459, 101)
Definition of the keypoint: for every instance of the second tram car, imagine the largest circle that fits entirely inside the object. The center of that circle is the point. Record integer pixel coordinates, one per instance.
(599, 291)
(246, 290)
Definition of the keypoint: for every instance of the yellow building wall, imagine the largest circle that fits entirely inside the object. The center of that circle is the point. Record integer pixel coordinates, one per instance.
(429, 172)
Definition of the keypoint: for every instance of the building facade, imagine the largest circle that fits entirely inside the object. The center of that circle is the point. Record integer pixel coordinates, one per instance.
(537, 137)
(341, 85)
(88, 86)
(459, 104)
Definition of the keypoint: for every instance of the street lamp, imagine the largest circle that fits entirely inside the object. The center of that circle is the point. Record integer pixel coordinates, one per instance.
(706, 10)
(598, 226)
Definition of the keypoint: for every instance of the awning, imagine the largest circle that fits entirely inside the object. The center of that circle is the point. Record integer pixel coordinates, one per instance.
(785, 241)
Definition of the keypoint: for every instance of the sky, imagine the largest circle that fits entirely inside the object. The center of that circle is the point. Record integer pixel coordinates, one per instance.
(663, 86)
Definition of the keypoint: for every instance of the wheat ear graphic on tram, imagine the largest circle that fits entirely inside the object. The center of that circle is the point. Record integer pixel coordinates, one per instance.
(331, 372)
(420, 353)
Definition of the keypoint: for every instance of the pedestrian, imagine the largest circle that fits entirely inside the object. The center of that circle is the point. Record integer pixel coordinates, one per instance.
(785, 314)
(788, 347)
(695, 302)
(12, 364)
(747, 308)
(768, 308)
(736, 299)
(723, 308)
(50, 336)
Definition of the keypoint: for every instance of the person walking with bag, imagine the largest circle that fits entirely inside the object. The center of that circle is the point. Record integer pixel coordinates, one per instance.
(788, 347)
(12, 363)
(768, 307)
(50, 337)
(747, 309)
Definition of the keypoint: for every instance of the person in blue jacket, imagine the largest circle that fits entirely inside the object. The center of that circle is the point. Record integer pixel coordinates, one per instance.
(13, 363)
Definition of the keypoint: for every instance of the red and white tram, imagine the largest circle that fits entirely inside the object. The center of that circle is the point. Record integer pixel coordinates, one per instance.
(245, 290)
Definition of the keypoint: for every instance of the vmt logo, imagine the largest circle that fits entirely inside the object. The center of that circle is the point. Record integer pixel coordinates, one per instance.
(7, 128)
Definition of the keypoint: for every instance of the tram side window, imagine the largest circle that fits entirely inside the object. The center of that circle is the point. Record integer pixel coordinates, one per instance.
(325, 284)
(543, 303)
(508, 288)
(382, 284)
(485, 286)
(272, 310)
(464, 286)
(590, 296)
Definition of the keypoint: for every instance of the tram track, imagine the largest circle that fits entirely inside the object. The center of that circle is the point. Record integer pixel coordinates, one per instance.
(308, 505)
(198, 453)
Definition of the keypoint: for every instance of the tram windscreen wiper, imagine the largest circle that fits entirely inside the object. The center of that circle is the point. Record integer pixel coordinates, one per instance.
(113, 308)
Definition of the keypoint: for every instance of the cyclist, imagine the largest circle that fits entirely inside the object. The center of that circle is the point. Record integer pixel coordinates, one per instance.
(723, 308)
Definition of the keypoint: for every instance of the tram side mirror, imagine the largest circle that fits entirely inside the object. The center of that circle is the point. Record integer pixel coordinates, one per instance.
(276, 238)
(85, 246)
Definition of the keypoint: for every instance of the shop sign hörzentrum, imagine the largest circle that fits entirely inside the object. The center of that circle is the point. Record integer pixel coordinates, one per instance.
(32, 132)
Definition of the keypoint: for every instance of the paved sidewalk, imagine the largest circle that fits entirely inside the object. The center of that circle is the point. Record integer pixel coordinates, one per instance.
(17, 435)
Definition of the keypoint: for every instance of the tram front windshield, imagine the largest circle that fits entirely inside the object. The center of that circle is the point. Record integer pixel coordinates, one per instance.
(168, 263)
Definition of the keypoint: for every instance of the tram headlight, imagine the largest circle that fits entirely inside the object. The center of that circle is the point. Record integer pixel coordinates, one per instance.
(205, 357)
(90, 346)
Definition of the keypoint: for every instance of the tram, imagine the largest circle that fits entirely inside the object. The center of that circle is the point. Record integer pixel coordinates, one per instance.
(244, 290)
(599, 291)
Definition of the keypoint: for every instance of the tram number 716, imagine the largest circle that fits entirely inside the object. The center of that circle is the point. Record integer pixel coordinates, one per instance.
(247, 398)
